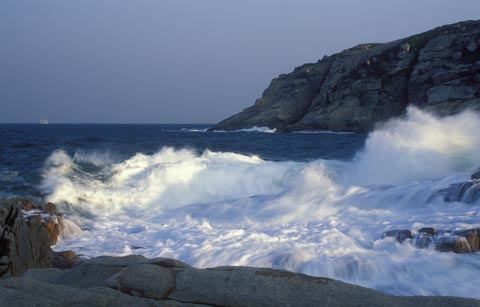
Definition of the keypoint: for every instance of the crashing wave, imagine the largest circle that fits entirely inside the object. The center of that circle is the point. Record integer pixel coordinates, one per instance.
(321, 218)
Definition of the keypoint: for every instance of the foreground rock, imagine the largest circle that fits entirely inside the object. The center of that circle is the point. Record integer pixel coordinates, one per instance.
(27, 232)
(24, 243)
(137, 281)
(351, 91)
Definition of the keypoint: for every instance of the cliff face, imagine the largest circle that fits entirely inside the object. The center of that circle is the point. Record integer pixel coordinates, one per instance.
(438, 70)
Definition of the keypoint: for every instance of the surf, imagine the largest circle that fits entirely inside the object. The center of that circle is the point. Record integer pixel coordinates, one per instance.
(323, 217)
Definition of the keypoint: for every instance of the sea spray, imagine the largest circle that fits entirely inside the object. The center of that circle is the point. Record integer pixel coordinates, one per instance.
(324, 217)
(418, 146)
(165, 180)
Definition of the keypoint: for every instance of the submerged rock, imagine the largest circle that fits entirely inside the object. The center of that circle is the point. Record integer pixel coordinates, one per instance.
(424, 237)
(472, 237)
(428, 230)
(399, 235)
(462, 241)
(453, 243)
(476, 175)
(466, 192)
(352, 90)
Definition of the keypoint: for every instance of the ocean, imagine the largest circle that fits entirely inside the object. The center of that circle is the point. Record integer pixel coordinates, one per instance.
(310, 202)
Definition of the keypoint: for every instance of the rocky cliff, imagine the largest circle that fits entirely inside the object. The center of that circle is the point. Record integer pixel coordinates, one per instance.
(438, 70)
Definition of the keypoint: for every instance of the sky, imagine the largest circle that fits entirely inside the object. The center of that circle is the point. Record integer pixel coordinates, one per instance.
(180, 61)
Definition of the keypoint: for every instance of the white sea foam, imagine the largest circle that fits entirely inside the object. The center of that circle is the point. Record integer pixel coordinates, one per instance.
(95, 158)
(194, 130)
(322, 218)
(251, 129)
(322, 132)
(257, 129)
(166, 180)
(419, 146)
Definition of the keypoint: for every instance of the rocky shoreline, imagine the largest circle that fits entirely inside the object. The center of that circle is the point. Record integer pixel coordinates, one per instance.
(446, 240)
(137, 281)
(27, 232)
(34, 275)
(353, 90)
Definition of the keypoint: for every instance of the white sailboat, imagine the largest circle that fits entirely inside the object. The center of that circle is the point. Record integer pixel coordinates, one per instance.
(44, 121)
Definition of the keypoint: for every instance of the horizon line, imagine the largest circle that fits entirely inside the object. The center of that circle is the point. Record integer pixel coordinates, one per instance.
(94, 123)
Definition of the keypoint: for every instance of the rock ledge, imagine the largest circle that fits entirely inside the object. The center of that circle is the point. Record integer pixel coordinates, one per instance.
(137, 281)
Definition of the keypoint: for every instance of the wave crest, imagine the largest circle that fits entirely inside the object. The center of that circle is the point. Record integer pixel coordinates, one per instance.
(168, 179)
(418, 146)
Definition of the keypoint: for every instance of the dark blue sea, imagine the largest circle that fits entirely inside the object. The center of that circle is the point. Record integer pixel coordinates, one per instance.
(24, 148)
(311, 202)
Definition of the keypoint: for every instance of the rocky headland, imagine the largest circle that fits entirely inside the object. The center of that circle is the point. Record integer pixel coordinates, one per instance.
(438, 71)
(33, 275)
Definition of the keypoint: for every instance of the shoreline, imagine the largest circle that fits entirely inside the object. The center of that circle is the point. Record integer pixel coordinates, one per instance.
(32, 272)
(137, 281)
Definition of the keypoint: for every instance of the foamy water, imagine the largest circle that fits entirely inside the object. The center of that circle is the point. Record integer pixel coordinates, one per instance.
(323, 218)
(251, 129)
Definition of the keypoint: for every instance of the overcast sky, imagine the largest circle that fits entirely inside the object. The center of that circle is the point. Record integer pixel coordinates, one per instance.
(179, 61)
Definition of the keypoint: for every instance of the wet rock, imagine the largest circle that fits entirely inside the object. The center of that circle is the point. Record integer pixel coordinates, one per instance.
(23, 204)
(472, 237)
(453, 243)
(65, 260)
(476, 175)
(467, 192)
(50, 208)
(25, 243)
(27, 232)
(461, 241)
(50, 219)
(399, 235)
(422, 240)
(424, 237)
(53, 231)
(428, 230)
